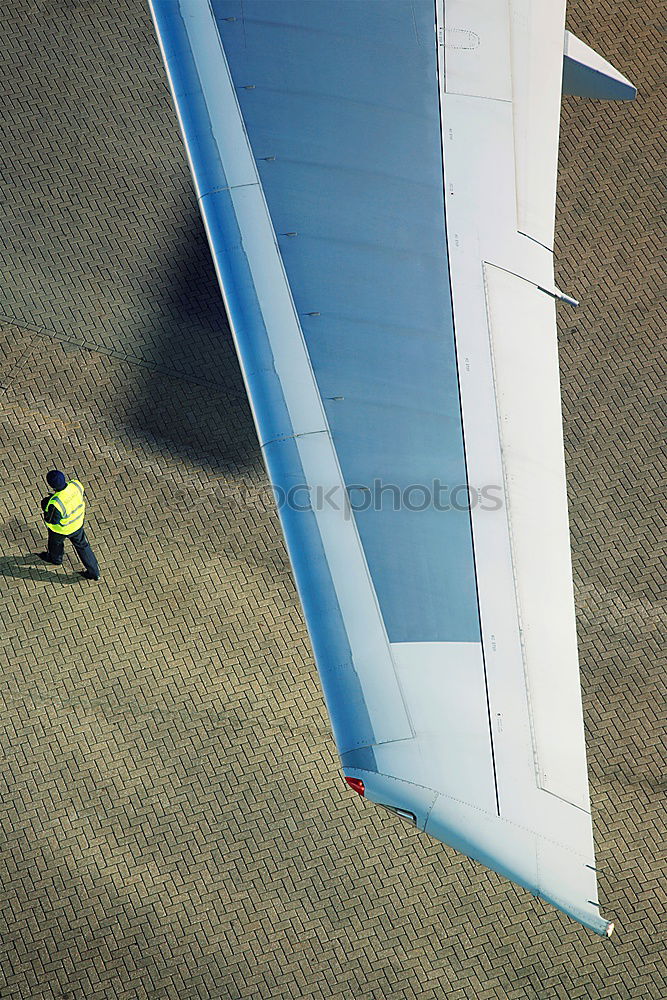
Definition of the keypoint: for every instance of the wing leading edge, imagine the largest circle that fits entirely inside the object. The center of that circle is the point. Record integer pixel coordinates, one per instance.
(387, 337)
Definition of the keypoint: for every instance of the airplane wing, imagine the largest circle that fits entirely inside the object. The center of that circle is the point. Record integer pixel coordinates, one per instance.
(377, 182)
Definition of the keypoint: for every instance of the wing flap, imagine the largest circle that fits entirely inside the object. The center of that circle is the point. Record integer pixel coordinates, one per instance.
(522, 331)
(536, 30)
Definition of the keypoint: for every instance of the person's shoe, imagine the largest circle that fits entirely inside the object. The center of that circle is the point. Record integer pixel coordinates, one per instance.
(47, 558)
(87, 575)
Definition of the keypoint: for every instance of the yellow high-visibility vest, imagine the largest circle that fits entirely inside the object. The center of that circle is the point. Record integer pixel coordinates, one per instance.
(71, 506)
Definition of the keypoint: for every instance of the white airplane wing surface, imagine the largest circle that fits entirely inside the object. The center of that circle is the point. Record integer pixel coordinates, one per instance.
(377, 182)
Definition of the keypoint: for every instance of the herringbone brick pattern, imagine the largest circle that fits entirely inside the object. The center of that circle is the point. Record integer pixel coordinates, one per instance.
(173, 820)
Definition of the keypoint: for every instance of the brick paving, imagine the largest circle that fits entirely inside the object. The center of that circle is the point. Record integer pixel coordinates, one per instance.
(173, 820)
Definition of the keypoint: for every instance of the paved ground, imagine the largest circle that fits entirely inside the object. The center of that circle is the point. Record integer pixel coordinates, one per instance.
(173, 820)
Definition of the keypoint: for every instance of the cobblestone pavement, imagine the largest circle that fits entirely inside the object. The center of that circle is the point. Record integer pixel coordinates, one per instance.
(174, 824)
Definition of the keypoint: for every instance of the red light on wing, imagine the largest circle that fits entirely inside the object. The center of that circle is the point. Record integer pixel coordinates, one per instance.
(357, 784)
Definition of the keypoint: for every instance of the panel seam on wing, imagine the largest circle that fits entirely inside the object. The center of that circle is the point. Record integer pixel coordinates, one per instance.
(394, 777)
(539, 285)
(292, 437)
(518, 826)
(480, 97)
(508, 513)
(226, 187)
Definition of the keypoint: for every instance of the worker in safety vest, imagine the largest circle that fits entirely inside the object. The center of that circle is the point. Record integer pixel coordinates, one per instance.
(64, 512)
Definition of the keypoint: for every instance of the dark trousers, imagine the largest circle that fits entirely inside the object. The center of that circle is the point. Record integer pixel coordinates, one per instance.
(82, 546)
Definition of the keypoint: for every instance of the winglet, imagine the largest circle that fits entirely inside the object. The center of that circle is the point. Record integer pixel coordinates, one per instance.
(587, 74)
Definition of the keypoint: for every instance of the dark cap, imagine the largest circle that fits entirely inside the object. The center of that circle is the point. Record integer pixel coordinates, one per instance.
(56, 480)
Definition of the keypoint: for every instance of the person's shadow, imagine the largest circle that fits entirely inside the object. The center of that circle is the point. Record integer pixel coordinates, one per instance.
(31, 567)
